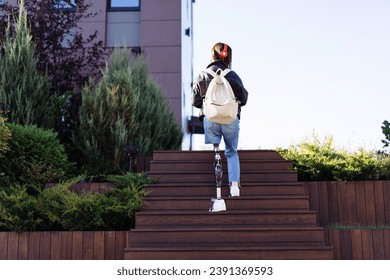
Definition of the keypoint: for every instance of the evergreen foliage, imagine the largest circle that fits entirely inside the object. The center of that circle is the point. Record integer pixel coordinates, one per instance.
(62, 51)
(157, 127)
(125, 108)
(321, 161)
(58, 208)
(24, 93)
(386, 131)
(35, 157)
(5, 135)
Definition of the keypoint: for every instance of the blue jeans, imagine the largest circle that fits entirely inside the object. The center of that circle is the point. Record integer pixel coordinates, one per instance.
(213, 135)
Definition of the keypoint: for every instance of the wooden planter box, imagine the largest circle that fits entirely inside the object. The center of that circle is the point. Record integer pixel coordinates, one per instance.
(365, 203)
(63, 245)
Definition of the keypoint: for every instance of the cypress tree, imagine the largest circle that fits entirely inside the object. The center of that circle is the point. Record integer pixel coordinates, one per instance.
(125, 108)
(153, 114)
(24, 93)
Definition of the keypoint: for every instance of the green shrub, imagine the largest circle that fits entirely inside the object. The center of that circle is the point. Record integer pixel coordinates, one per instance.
(125, 108)
(58, 208)
(65, 210)
(5, 135)
(316, 161)
(19, 211)
(35, 156)
(24, 93)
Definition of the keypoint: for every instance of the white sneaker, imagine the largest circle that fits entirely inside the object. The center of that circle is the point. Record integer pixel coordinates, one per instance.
(218, 205)
(234, 189)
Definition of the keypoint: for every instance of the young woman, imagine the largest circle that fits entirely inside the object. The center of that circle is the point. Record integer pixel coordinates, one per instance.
(221, 58)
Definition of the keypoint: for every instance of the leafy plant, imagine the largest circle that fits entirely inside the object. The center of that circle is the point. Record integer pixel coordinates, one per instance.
(62, 51)
(35, 157)
(321, 161)
(58, 208)
(386, 131)
(125, 108)
(5, 135)
(24, 93)
(19, 211)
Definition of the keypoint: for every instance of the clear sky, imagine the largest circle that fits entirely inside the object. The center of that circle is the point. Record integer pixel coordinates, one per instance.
(309, 66)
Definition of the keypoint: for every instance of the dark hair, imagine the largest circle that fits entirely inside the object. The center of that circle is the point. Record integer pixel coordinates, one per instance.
(216, 53)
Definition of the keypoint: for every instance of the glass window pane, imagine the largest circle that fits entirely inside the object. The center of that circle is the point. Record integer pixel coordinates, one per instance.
(124, 3)
(61, 4)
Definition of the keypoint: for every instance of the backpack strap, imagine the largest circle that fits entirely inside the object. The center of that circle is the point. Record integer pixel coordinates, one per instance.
(211, 72)
(219, 72)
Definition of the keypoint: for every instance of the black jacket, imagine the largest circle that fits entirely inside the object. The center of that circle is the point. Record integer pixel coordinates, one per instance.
(203, 80)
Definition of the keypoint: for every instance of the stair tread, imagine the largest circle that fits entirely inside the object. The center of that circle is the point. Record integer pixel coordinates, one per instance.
(257, 197)
(251, 246)
(227, 212)
(249, 184)
(169, 161)
(211, 171)
(227, 228)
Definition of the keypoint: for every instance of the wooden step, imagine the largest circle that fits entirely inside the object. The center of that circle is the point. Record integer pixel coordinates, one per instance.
(207, 165)
(205, 155)
(270, 220)
(204, 177)
(234, 203)
(228, 235)
(208, 189)
(230, 253)
(230, 217)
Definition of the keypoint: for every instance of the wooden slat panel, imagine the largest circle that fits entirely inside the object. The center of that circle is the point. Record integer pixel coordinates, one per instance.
(313, 198)
(12, 252)
(357, 245)
(345, 244)
(109, 245)
(379, 203)
(378, 244)
(45, 246)
(94, 188)
(342, 202)
(120, 244)
(55, 248)
(368, 251)
(98, 245)
(77, 245)
(23, 242)
(66, 245)
(334, 238)
(333, 204)
(324, 204)
(3, 245)
(351, 203)
(361, 203)
(34, 245)
(386, 191)
(386, 242)
(370, 202)
(87, 245)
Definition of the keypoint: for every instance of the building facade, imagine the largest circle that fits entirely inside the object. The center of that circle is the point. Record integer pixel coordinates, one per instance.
(162, 31)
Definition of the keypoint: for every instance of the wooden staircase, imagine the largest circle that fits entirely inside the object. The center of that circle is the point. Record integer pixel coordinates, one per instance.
(270, 220)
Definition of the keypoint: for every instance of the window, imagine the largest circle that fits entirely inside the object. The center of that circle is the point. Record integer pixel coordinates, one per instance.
(1, 2)
(64, 4)
(124, 5)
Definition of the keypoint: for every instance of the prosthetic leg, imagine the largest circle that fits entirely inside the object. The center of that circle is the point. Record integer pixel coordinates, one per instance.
(218, 202)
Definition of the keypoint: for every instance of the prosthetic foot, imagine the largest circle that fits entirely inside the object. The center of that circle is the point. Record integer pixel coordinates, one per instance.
(218, 203)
